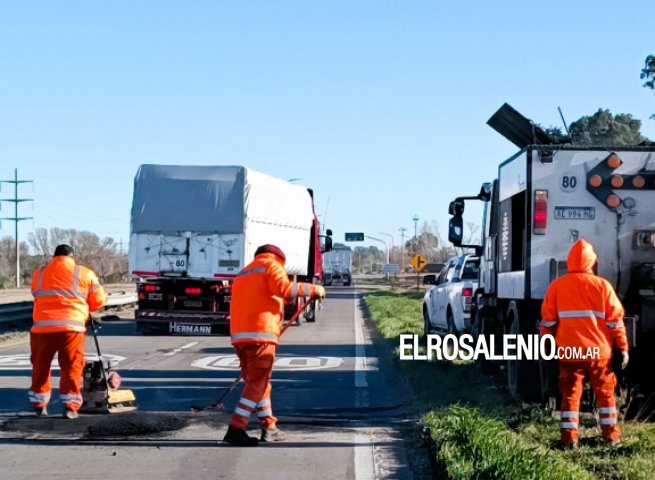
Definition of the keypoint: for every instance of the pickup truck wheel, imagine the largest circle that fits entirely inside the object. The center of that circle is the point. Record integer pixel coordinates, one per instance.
(426, 325)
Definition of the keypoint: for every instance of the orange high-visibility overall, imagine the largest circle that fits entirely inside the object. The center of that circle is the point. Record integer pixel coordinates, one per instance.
(582, 310)
(256, 314)
(64, 293)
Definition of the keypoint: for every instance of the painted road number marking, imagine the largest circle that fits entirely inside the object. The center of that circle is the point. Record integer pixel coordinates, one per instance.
(22, 362)
(282, 363)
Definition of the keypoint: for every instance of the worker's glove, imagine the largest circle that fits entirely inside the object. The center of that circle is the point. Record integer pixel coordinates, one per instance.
(625, 358)
(320, 292)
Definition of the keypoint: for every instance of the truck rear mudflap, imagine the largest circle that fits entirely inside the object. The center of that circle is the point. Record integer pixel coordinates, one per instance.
(181, 323)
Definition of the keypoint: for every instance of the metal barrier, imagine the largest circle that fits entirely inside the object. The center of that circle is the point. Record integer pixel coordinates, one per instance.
(16, 312)
(22, 311)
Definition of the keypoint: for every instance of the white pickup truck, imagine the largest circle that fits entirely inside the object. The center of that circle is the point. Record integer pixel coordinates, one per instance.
(447, 304)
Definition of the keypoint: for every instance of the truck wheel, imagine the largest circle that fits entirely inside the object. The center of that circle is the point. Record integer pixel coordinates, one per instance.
(549, 373)
(523, 380)
(311, 314)
(481, 327)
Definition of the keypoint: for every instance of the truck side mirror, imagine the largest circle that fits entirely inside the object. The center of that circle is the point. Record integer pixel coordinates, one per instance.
(456, 231)
(328, 244)
(456, 208)
(327, 241)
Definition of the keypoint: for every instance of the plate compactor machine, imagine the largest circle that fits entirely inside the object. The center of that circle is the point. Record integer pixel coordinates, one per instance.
(101, 391)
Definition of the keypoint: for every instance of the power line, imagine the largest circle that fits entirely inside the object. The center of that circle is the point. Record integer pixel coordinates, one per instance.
(16, 218)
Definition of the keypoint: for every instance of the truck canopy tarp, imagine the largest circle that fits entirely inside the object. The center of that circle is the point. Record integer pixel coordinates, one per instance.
(215, 199)
(172, 198)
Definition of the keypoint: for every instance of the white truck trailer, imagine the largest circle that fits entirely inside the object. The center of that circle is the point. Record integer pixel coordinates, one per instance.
(546, 197)
(193, 228)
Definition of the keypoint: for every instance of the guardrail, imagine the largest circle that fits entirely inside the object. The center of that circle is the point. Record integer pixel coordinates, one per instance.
(22, 311)
(16, 312)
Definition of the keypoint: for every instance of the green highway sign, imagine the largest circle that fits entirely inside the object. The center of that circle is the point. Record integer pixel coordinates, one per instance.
(354, 237)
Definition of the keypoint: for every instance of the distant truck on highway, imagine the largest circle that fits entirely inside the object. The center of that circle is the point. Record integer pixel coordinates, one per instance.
(545, 198)
(337, 267)
(193, 228)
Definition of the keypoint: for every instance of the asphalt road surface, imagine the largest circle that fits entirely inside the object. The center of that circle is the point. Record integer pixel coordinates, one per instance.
(337, 398)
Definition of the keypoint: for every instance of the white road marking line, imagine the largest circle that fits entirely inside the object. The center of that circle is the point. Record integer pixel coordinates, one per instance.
(179, 349)
(363, 451)
(360, 351)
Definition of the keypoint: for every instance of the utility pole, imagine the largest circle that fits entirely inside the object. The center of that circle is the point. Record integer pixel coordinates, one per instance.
(389, 257)
(120, 247)
(402, 231)
(382, 242)
(16, 218)
(415, 219)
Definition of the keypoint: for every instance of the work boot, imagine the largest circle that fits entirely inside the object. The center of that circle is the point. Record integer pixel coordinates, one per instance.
(239, 438)
(70, 414)
(570, 446)
(612, 443)
(273, 434)
(41, 411)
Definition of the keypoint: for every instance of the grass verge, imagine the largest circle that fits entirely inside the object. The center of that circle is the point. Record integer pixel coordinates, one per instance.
(479, 432)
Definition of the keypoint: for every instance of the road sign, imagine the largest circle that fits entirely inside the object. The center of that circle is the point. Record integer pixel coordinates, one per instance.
(391, 268)
(354, 237)
(419, 262)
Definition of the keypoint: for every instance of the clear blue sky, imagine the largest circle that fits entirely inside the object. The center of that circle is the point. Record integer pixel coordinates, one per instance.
(380, 106)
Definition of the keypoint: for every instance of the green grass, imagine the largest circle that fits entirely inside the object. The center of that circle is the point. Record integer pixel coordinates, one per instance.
(475, 446)
(479, 432)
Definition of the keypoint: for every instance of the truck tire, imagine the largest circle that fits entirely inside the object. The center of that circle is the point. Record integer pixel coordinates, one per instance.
(523, 379)
(311, 314)
(549, 373)
(481, 327)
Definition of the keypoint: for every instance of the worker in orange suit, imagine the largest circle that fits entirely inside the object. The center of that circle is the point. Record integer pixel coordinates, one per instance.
(581, 309)
(256, 315)
(64, 295)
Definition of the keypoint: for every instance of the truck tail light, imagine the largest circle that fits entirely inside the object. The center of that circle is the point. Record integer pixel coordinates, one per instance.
(467, 298)
(540, 223)
(193, 291)
(151, 288)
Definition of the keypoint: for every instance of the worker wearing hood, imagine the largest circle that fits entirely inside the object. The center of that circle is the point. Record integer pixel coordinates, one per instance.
(581, 310)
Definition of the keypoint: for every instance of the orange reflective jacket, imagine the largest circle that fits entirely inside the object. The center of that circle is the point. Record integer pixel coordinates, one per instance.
(258, 294)
(64, 293)
(581, 309)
